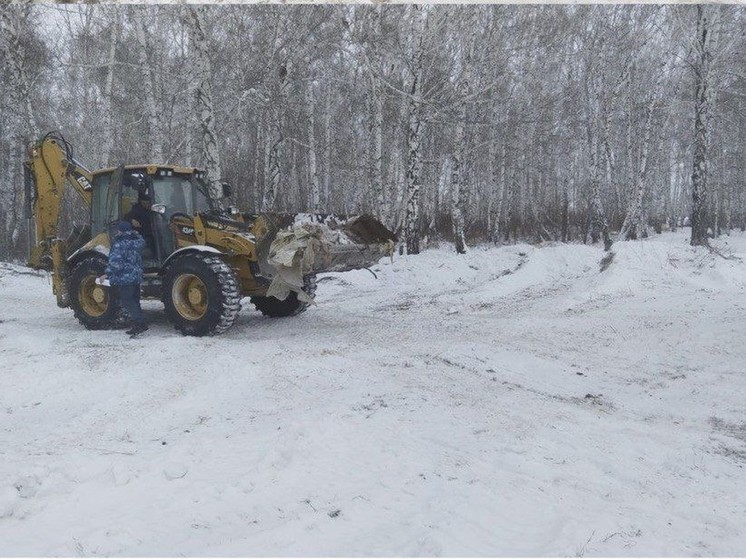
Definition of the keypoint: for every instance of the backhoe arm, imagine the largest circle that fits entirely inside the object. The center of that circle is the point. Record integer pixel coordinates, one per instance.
(50, 166)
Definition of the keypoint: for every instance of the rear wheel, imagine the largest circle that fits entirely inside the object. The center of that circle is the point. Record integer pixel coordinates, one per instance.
(201, 295)
(93, 304)
(271, 306)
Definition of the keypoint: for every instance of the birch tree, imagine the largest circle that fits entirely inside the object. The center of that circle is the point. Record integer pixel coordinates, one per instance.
(155, 134)
(15, 28)
(107, 114)
(459, 176)
(278, 90)
(415, 131)
(704, 92)
(195, 22)
(595, 51)
(635, 223)
(373, 64)
(313, 173)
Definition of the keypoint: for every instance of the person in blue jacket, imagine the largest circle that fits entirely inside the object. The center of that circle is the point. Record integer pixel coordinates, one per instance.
(124, 272)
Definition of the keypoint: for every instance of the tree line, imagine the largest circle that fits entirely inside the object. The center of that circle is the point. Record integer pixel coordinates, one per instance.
(468, 123)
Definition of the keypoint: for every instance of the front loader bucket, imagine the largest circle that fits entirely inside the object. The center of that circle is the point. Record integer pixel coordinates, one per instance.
(291, 247)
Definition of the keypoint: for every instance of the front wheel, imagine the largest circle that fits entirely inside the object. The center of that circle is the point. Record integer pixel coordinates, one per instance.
(201, 295)
(93, 305)
(271, 306)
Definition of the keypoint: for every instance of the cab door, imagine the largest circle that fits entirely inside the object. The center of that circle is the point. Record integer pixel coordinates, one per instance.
(106, 201)
(114, 200)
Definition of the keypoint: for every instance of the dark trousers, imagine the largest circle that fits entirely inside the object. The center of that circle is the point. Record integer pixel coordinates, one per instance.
(129, 299)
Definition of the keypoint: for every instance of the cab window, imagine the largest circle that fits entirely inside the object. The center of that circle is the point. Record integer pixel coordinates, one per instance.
(175, 193)
(99, 215)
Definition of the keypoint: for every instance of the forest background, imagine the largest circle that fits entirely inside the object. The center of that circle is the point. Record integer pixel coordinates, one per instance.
(465, 123)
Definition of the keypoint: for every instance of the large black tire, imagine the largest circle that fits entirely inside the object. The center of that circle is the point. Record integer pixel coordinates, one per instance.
(201, 294)
(271, 306)
(93, 305)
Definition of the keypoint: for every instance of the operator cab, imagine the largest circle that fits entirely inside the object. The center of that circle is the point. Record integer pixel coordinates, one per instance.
(148, 195)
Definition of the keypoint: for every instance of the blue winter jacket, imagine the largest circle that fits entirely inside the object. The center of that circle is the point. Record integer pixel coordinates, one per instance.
(125, 259)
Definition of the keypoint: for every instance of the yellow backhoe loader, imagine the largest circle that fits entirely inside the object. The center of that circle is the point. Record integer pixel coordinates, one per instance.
(200, 260)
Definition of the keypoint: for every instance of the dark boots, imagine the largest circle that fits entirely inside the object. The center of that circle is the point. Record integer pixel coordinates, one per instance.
(137, 329)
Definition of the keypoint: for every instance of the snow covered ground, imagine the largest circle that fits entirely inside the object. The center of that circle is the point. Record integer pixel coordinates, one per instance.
(514, 401)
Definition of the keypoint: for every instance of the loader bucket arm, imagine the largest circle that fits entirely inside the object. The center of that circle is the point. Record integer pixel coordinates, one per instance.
(48, 169)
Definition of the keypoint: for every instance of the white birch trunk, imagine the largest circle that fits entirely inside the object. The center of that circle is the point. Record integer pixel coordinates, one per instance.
(510, 202)
(376, 164)
(598, 225)
(266, 175)
(459, 191)
(151, 107)
(501, 190)
(414, 136)
(275, 137)
(14, 21)
(631, 160)
(202, 71)
(522, 186)
(461, 187)
(673, 188)
(327, 146)
(497, 180)
(14, 24)
(272, 175)
(728, 209)
(703, 100)
(397, 177)
(444, 186)
(315, 193)
(107, 115)
(608, 152)
(635, 223)
(258, 166)
(379, 195)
